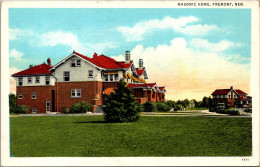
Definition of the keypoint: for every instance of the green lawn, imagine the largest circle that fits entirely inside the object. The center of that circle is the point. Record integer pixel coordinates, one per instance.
(88, 136)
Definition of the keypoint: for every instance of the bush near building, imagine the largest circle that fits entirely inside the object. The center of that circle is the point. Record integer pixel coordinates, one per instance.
(12, 103)
(149, 107)
(162, 106)
(121, 106)
(22, 109)
(230, 112)
(81, 107)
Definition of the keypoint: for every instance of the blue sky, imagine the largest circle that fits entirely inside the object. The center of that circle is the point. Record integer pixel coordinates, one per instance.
(38, 34)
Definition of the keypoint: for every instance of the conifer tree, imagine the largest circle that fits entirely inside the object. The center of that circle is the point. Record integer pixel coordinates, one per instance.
(121, 105)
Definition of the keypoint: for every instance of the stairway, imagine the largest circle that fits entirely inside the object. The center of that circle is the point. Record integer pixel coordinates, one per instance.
(99, 109)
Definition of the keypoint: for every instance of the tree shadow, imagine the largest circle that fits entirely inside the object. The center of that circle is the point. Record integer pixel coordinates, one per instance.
(90, 122)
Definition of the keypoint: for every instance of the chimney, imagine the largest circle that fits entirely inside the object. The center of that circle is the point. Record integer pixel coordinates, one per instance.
(141, 64)
(127, 57)
(231, 87)
(95, 55)
(49, 61)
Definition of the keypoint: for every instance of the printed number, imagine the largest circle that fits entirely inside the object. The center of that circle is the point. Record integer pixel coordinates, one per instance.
(245, 159)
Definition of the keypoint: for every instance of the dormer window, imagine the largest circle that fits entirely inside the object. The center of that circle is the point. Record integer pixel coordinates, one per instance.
(75, 63)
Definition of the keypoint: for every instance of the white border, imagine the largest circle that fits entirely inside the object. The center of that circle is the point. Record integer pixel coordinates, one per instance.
(124, 161)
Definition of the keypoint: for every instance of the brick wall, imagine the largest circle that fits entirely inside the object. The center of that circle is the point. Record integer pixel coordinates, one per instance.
(90, 92)
(109, 85)
(43, 94)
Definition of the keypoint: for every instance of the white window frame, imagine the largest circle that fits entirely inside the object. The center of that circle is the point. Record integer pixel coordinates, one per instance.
(34, 110)
(47, 79)
(90, 73)
(75, 92)
(106, 77)
(20, 96)
(116, 77)
(20, 81)
(111, 78)
(29, 80)
(33, 95)
(75, 63)
(64, 76)
(37, 79)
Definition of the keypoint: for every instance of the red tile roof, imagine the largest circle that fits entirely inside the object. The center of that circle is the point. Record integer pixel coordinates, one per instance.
(240, 92)
(161, 87)
(141, 85)
(221, 92)
(105, 62)
(139, 72)
(246, 99)
(225, 91)
(40, 69)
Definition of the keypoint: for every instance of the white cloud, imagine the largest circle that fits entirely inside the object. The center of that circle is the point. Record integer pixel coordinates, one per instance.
(204, 45)
(61, 38)
(181, 25)
(101, 47)
(16, 54)
(190, 74)
(17, 33)
(12, 81)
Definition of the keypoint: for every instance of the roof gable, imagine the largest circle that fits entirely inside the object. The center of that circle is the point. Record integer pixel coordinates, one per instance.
(37, 70)
(240, 92)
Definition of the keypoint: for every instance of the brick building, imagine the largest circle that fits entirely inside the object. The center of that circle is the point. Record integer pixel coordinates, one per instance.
(45, 88)
(231, 97)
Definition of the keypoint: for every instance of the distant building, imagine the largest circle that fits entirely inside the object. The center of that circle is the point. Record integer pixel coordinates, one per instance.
(231, 97)
(45, 88)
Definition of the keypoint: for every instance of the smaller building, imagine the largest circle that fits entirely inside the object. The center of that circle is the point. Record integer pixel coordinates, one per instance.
(232, 97)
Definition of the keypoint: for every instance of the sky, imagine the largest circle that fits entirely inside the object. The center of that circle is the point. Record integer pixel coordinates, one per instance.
(190, 51)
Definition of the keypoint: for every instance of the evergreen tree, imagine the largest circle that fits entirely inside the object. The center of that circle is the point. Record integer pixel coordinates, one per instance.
(12, 103)
(121, 106)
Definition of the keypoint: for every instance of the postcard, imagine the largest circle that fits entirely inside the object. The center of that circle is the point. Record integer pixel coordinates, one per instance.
(130, 83)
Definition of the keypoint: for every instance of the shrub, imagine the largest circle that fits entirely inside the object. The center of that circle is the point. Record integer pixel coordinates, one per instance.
(12, 103)
(161, 106)
(22, 109)
(230, 112)
(121, 106)
(149, 107)
(81, 107)
(233, 112)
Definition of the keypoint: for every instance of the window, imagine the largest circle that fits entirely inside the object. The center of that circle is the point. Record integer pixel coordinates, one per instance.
(75, 62)
(37, 80)
(78, 62)
(34, 110)
(116, 77)
(106, 77)
(111, 77)
(29, 80)
(90, 73)
(47, 80)
(33, 95)
(76, 93)
(47, 106)
(66, 76)
(20, 81)
(20, 96)
(229, 96)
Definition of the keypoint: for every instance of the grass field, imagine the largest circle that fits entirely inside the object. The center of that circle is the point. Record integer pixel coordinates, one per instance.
(88, 136)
